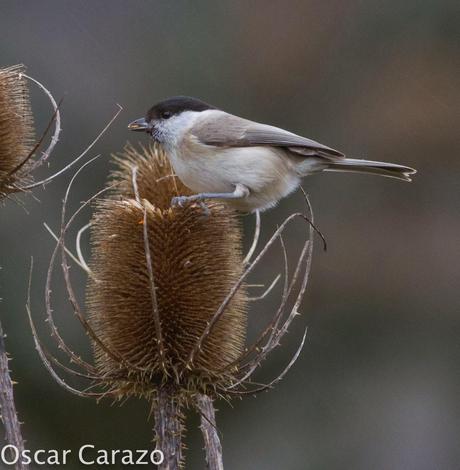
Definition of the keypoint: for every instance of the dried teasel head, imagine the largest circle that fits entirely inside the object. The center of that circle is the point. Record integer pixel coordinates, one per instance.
(166, 292)
(159, 274)
(16, 129)
(167, 301)
(20, 155)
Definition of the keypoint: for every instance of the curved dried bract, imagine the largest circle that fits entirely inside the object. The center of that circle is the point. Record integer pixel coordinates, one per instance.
(17, 135)
(45, 155)
(255, 240)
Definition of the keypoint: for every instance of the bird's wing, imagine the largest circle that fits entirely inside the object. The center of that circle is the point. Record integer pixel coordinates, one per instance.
(226, 130)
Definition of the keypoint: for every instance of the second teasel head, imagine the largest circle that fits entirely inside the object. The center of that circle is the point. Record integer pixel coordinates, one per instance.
(159, 274)
(16, 130)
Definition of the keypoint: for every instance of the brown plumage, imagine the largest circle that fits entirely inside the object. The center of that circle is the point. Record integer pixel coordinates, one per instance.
(16, 130)
(196, 259)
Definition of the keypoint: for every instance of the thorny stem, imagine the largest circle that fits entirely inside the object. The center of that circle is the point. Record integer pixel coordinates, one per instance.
(212, 445)
(8, 408)
(168, 428)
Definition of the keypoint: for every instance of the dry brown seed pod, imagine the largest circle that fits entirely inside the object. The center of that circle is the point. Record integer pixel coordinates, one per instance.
(16, 130)
(195, 261)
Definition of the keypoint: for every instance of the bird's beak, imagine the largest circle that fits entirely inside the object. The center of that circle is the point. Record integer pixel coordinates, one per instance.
(140, 125)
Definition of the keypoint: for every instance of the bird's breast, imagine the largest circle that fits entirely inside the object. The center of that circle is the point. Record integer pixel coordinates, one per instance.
(198, 167)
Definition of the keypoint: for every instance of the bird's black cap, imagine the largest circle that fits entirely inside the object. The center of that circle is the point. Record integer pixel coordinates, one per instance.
(176, 105)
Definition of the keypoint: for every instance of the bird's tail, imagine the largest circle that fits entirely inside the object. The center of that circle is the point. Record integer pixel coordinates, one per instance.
(392, 170)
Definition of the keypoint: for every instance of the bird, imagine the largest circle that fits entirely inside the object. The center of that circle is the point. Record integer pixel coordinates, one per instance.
(249, 165)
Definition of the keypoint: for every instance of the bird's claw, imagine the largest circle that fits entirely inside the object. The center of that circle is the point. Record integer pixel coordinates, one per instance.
(205, 208)
(180, 201)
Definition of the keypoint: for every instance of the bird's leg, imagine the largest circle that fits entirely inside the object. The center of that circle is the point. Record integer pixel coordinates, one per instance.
(240, 192)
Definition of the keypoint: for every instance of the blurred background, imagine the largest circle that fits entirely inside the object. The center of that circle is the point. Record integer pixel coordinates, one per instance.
(378, 383)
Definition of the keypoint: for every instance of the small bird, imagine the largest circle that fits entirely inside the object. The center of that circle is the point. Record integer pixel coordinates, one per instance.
(249, 165)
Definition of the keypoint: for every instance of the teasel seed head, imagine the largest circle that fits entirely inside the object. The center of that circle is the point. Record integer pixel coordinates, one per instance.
(16, 130)
(159, 274)
(167, 301)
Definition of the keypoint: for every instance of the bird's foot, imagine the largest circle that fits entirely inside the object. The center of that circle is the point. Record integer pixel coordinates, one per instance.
(180, 201)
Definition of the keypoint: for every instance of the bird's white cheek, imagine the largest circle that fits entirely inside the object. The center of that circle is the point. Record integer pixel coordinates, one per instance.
(174, 129)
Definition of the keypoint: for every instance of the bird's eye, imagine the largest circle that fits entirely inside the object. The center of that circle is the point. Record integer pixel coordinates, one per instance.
(166, 114)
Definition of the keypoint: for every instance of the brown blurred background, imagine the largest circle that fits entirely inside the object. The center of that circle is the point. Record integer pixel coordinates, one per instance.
(377, 386)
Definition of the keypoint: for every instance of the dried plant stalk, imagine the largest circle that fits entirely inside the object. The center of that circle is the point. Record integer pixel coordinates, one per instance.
(20, 156)
(16, 141)
(9, 415)
(212, 445)
(16, 129)
(169, 427)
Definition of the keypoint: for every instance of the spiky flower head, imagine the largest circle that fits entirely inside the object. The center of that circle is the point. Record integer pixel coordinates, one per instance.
(159, 274)
(16, 130)
(167, 301)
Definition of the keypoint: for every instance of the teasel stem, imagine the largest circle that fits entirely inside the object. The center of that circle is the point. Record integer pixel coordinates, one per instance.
(168, 417)
(8, 408)
(212, 445)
